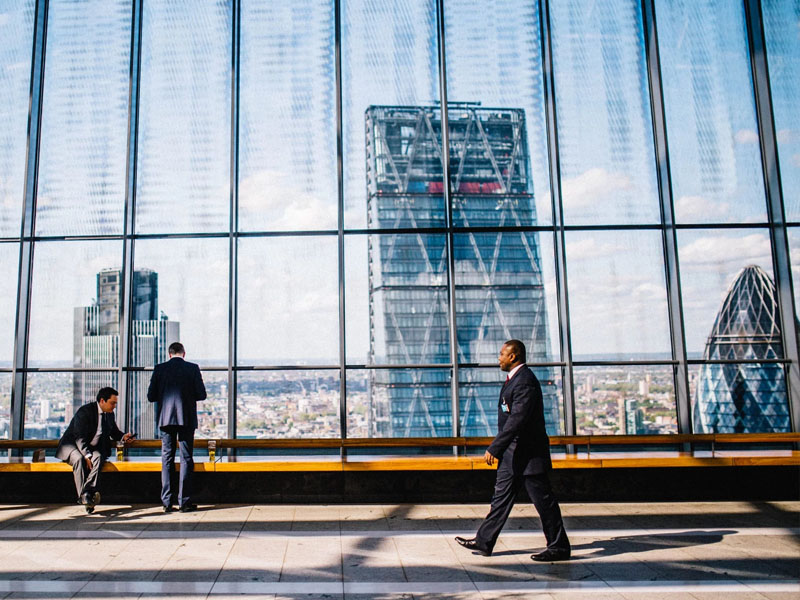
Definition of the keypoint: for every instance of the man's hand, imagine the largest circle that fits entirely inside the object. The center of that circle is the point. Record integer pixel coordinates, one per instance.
(128, 438)
(489, 458)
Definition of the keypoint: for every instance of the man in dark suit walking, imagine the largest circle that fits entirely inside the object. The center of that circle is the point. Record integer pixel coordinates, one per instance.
(87, 443)
(176, 387)
(522, 451)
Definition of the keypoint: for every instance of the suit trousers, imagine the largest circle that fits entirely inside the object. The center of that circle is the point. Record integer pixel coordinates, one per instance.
(509, 481)
(172, 436)
(86, 479)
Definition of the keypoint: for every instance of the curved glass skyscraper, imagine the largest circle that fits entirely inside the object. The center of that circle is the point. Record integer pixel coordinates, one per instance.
(744, 397)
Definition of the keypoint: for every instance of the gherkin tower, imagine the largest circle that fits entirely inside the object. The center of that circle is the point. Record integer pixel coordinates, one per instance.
(744, 397)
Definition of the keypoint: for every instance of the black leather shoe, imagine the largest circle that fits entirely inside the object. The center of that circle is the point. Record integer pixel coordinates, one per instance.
(167, 509)
(90, 499)
(551, 555)
(472, 544)
(89, 509)
(188, 508)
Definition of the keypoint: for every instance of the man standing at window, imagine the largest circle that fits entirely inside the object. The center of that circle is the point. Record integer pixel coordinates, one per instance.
(522, 451)
(87, 443)
(176, 387)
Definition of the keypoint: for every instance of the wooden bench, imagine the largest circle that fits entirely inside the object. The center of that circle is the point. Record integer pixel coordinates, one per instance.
(581, 452)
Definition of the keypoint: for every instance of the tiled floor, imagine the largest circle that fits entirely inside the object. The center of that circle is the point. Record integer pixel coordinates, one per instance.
(706, 551)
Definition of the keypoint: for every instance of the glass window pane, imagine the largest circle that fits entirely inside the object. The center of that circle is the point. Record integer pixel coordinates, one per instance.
(505, 289)
(16, 43)
(9, 271)
(479, 392)
(75, 304)
(84, 118)
(5, 405)
(404, 167)
(287, 404)
(604, 124)
(185, 284)
(625, 400)
(714, 153)
(781, 25)
(794, 259)
(212, 413)
(287, 169)
(494, 59)
(51, 400)
(389, 57)
(727, 281)
(185, 124)
(396, 299)
(399, 403)
(288, 301)
(617, 295)
(739, 398)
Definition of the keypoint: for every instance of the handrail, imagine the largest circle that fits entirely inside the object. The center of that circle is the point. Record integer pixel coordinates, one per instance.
(439, 442)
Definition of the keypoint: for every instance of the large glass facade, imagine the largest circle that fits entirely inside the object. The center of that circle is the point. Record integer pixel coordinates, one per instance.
(343, 236)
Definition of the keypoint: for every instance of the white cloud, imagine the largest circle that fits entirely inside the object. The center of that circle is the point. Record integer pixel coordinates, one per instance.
(786, 136)
(746, 136)
(695, 208)
(796, 160)
(589, 187)
(714, 250)
(272, 196)
(589, 248)
(4, 19)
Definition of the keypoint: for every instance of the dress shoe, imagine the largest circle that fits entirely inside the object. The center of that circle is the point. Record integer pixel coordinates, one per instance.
(551, 555)
(472, 544)
(168, 508)
(90, 499)
(89, 509)
(188, 508)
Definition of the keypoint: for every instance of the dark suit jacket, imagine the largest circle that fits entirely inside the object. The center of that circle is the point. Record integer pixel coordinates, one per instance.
(176, 387)
(522, 436)
(81, 430)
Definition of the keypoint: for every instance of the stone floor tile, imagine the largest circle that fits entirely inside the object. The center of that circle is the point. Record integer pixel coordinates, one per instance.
(196, 559)
(312, 559)
(254, 559)
(371, 559)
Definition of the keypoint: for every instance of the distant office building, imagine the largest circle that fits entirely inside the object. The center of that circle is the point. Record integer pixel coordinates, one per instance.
(498, 277)
(744, 397)
(96, 341)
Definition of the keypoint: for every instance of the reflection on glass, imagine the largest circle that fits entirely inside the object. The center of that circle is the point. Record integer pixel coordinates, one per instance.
(781, 24)
(711, 260)
(75, 304)
(190, 299)
(287, 404)
(479, 395)
(51, 400)
(604, 123)
(84, 118)
(289, 301)
(287, 170)
(183, 166)
(739, 398)
(389, 57)
(9, 266)
(617, 295)
(501, 294)
(794, 259)
(715, 159)
(5, 405)
(625, 400)
(16, 39)
(494, 60)
(399, 403)
(396, 287)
